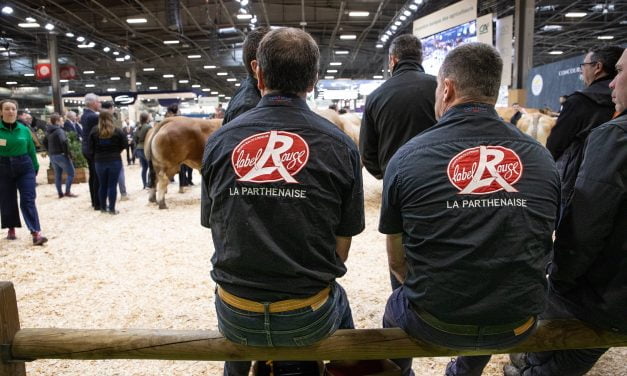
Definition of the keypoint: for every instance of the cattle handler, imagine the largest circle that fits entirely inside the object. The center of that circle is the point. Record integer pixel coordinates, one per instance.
(282, 193)
(469, 207)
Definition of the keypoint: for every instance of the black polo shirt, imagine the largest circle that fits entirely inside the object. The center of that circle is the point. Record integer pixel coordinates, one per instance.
(476, 201)
(279, 184)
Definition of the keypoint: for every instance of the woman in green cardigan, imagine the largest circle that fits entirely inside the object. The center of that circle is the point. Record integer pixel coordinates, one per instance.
(18, 169)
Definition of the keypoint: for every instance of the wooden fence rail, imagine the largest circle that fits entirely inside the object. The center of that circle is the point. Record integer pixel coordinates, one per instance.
(31, 344)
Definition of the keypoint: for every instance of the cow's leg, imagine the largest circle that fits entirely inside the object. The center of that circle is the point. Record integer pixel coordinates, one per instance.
(162, 185)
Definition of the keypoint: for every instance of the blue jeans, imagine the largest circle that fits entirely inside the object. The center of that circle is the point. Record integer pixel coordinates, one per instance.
(301, 327)
(108, 175)
(560, 362)
(144, 163)
(400, 313)
(61, 163)
(18, 174)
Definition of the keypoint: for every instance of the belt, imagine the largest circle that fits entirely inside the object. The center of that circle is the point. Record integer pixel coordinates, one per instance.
(315, 302)
(518, 327)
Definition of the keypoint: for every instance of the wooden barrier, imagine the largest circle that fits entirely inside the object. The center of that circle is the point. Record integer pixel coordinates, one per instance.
(32, 344)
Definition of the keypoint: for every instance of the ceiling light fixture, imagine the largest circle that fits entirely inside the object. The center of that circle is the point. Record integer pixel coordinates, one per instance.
(231, 79)
(11, 82)
(138, 84)
(149, 69)
(153, 88)
(30, 19)
(168, 76)
(552, 27)
(329, 77)
(214, 93)
(171, 41)
(49, 26)
(120, 59)
(605, 37)
(209, 67)
(116, 53)
(341, 52)
(90, 85)
(7, 10)
(106, 49)
(413, 7)
(238, 84)
(112, 89)
(183, 81)
(379, 45)
(136, 20)
(69, 35)
(556, 52)
(222, 74)
(63, 81)
(127, 57)
(85, 45)
(335, 63)
(206, 89)
(378, 77)
(358, 14)
(331, 70)
(115, 78)
(194, 56)
(29, 74)
(348, 36)
(244, 16)
(80, 39)
(88, 72)
(28, 25)
(575, 14)
(195, 85)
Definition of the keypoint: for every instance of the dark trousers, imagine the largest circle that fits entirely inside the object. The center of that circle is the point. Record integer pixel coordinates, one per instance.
(400, 313)
(93, 182)
(151, 182)
(18, 174)
(561, 362)
(144, 163)
(108, 175)
(185, 175)
(130, 153)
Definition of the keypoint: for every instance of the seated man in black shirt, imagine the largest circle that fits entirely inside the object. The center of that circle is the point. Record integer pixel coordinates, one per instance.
(282, 193)
(469, 207)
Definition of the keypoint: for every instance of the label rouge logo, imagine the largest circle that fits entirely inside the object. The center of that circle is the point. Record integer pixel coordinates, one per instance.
(269, 157)
(485, 169)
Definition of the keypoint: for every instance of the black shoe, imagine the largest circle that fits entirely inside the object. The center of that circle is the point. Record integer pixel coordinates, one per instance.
(519, 360)
(113, 212)
(509, 370)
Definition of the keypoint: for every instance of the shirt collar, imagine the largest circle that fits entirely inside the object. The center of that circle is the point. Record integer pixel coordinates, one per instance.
(470, 108)
(282, 100)
(404, 65)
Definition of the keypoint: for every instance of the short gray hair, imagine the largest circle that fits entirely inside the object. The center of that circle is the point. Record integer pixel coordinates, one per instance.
(406, 47)
(475, 69)
(91, 98)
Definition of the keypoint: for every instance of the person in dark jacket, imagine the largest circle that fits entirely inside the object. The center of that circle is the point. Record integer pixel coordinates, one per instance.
(106, 142)
(89, 121)
(57, 145)
(471, 196)
(588, 276)
(248, 95)
(18, 171)
(139, 137)
(581, 113)
(70, 123)
(399, 109)
(295, 189)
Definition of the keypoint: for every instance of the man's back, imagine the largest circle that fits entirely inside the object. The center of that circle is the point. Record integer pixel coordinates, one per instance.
(244, 99)
(294, 181)
(397, 111)
(89, 120)
(477, 202)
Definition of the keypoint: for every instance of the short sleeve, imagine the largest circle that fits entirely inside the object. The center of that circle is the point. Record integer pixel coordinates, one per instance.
(353, 218)
(390, 220)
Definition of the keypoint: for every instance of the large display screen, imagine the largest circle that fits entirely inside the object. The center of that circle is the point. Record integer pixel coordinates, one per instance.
(436, 46)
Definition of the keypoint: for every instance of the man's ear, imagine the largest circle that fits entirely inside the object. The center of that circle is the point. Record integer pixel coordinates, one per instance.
(253, 65)
(312, 86)
(261, 84)
(449, 94)
(392, 61)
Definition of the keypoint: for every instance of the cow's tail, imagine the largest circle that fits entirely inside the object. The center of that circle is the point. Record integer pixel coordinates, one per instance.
(151, 135)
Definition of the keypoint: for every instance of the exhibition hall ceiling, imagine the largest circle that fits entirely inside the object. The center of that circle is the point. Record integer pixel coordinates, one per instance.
(197, 43)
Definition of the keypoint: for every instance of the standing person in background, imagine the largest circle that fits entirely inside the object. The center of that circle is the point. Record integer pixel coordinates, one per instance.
(130, 147)
(70, 123)
(139, 138)
(219, 112)
(106, 143)
(185, 172)
(89, 121)
(108, 106)
(398, 110)
(248, 95)
(18, 170)
(57, 145)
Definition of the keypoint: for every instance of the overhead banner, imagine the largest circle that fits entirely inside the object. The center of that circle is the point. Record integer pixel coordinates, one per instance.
(484, 29)
(43, 71)
(547, 83)
(458, 13)
(67, 72)
(504, 41)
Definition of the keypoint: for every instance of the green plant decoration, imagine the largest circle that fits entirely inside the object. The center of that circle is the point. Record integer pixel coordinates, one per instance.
(76, 153)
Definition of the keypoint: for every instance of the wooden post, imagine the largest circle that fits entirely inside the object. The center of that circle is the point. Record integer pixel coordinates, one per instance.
(9, 325)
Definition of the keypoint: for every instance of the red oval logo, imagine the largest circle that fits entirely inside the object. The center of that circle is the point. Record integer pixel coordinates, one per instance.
(485, 169)
(269, 157)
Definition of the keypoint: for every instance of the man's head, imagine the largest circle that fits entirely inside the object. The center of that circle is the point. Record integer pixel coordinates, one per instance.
(405, 47)
(287, 62)
(599, 63)
(249, 49)
(24, 117)
(619, 84)
(107, 106)
(92, 102)
(144, 118)
(173, 110)
(55, 118)
(469, 73)
(72, 116)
